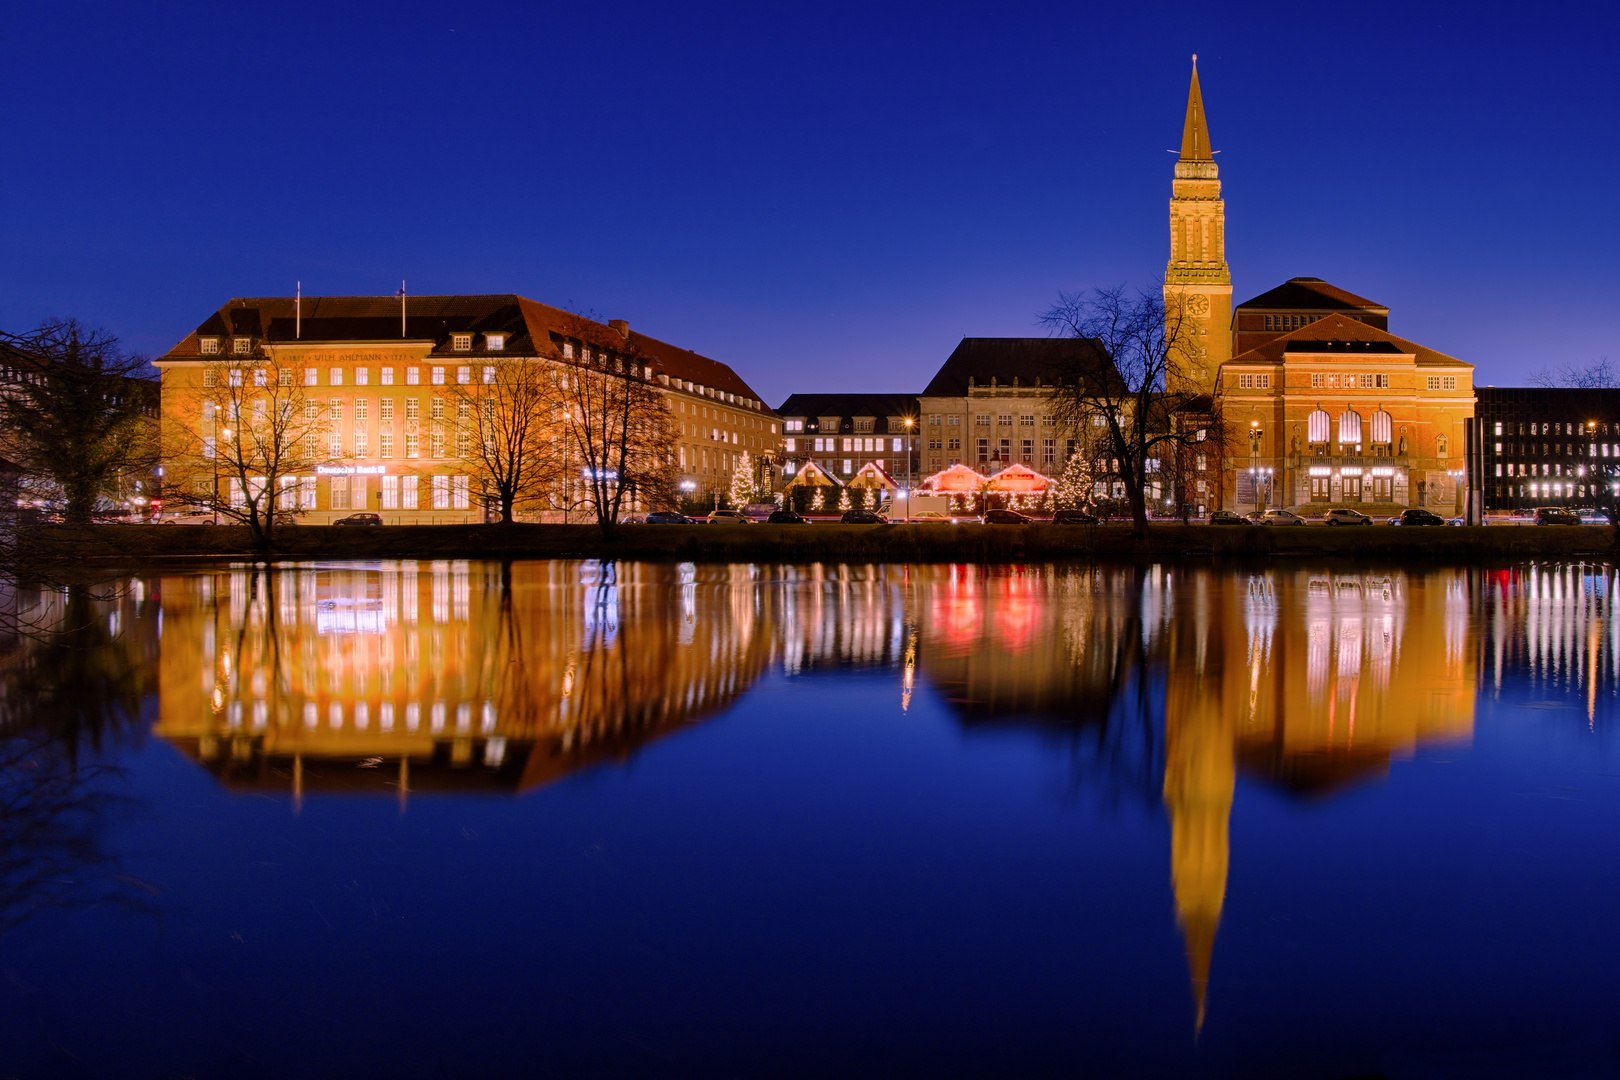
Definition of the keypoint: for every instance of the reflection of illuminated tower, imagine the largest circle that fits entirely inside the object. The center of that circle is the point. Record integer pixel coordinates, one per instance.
(1200, 766)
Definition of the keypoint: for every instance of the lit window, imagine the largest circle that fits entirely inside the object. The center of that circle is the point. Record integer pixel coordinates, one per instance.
(210, 346)
(489, 376)
(388, 376)
(261, 377)
(362, 376)
(464, 375)
(335, 377)
(242, 346)
(236, 377)
(413, 376)
(495, 342)
(438, 376)
(461, 342)
(309, 376)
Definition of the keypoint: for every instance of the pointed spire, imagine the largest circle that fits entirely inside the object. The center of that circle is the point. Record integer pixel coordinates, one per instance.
(1195, 132)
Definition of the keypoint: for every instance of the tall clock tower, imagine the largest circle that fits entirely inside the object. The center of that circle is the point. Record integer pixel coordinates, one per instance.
(1197, 283)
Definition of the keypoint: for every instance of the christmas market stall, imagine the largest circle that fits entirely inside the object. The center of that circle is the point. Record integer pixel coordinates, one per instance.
(964, 487)
(870, 486)
(1019, 487)
(810, 489)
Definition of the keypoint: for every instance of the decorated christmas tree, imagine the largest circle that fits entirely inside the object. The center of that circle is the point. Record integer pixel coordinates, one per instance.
(818, 503)
(1074, 486)
(742, 481)
(843, 499)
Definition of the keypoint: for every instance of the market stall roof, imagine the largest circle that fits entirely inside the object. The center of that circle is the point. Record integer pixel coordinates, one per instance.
(957, 478)
(812, 475)
(870, 475)
(1020, 478)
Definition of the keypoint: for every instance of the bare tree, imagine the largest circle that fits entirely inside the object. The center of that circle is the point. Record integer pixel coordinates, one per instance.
(1134, 375)
(238, 446)
(1598, 375)
(77, 415)
(616, 428)
(512, 426)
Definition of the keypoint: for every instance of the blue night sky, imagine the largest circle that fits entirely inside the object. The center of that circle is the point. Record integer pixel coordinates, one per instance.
(825, 198)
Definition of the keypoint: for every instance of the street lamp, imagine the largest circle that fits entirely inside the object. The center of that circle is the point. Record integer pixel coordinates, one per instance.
(909, 422)
(1254, 458)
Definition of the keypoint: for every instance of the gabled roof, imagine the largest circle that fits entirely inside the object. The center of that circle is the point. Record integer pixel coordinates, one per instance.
(1313, 294)
(1341, 334)
(1031, 361)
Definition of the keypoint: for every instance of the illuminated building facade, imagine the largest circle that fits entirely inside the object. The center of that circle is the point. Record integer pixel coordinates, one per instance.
(1547, 447)
(389, 377)
(842, 433)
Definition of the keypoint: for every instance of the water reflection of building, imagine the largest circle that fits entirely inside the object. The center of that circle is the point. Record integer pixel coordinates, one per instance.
(444, 675)
(1555, 625)
(1305, 680)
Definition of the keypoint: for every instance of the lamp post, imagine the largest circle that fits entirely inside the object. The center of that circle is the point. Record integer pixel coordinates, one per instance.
(1457, 488)
(909, 422)
(1254, 459)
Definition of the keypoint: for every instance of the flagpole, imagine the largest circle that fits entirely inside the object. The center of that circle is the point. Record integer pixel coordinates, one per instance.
(298, 311)
(401, 309)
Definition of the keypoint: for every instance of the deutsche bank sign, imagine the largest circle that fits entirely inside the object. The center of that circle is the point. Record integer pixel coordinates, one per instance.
(351, 470)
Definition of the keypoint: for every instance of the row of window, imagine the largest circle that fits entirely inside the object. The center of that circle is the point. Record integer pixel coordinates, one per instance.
(1558, 428)
(437, 376)
(1006, 420)
(459, 342)
(1328, 380)
(1289, 322)
(849, 445)
(354, 492)
(1564, 449)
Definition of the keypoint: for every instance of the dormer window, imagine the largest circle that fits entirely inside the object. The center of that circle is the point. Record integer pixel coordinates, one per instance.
(242, 346)
(495, 342)
(461, 342)
(210, 346)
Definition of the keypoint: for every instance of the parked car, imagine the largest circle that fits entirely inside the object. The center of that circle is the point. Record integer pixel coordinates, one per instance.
(1073, 517)
(1343, 515)
(188, 519)
(1523, 513)
(1227, 517)
(1255, 517)
(729, 517)
(1594, 517)
(932, 517)
(1006, 517)
(1556, 515)
(1281, 517)
(860, 517)
(668, 517)
(786, 517)
(1416, 516)
(359, 519)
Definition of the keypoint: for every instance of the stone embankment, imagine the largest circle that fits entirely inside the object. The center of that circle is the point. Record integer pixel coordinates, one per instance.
(800, 543)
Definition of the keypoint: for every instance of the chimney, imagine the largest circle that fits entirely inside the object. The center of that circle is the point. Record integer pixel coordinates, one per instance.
(622, 326)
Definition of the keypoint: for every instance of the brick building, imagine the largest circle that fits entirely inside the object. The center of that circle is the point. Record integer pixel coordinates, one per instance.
(383, 375)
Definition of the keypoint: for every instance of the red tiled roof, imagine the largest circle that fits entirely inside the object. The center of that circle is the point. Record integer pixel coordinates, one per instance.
(529, 327)
(1312, 294)
(1325, 333)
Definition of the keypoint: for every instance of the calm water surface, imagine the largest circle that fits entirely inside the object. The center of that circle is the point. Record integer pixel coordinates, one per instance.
(580, 819)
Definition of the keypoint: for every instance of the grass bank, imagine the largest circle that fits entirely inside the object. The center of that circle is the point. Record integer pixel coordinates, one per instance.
(836, 543)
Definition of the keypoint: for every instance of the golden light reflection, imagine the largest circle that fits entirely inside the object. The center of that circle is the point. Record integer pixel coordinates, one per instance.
(447, 676)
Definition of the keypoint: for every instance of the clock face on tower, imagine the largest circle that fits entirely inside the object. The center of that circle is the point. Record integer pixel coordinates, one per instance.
(1197, 305)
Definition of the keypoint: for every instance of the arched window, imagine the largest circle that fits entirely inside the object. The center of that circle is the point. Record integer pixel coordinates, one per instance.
(1349, 426)
(1382, 429)
(1316, 426)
